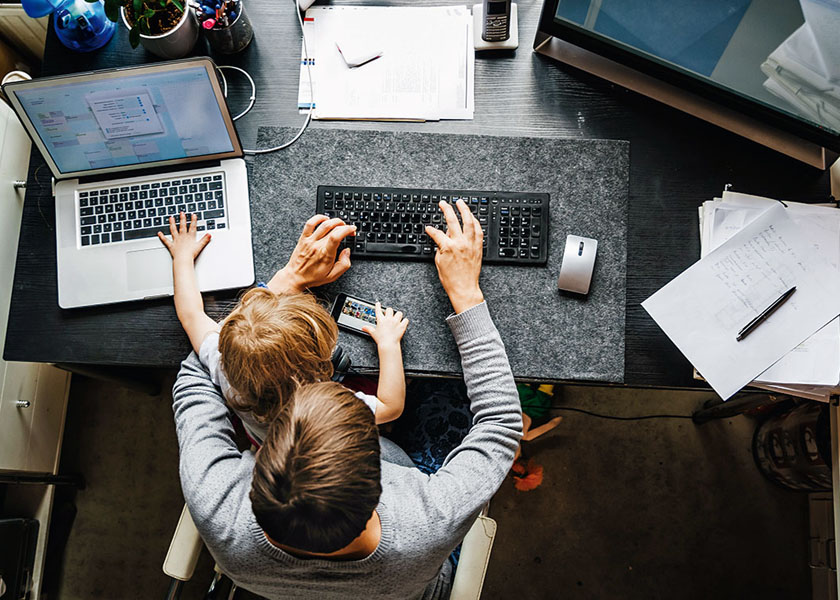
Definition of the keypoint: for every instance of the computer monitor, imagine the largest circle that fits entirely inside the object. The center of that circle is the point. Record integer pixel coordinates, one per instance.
(766, 69)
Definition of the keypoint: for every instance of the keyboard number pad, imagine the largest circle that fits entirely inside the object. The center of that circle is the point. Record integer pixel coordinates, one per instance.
(520, 229)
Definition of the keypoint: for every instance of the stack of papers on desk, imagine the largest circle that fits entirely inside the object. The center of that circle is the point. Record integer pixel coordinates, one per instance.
(812, 369)
(753, 249)
(425, 71)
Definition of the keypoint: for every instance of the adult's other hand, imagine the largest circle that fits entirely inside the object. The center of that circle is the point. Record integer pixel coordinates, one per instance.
(313, 261)
(458, 259)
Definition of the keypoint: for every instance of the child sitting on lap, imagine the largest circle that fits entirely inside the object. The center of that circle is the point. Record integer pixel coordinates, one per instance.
(271, 344)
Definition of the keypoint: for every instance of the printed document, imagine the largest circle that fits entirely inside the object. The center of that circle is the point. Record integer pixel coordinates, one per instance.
(703, 309)
(425, 71)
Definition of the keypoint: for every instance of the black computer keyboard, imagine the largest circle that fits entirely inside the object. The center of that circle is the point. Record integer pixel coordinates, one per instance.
(391, 222)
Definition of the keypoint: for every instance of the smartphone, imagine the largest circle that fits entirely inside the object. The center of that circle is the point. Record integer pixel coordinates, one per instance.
(496, 24)
(353, 313)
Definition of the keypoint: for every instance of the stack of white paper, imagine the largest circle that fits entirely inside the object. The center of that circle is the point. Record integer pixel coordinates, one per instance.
(425, 71)
(753, 250)
(812, 369)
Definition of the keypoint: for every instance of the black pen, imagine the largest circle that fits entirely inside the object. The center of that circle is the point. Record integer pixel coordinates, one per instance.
(748, 328)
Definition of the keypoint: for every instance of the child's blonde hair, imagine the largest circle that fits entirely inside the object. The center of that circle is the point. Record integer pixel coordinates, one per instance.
(271, 345)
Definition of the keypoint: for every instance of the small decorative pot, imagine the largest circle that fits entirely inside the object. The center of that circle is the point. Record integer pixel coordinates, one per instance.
(233, 38)
(175, 43)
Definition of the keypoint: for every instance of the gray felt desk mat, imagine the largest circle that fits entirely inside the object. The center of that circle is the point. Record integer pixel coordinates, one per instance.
(548, 336)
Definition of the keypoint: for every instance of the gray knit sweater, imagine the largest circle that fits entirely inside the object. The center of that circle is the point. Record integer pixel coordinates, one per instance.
(423, 517)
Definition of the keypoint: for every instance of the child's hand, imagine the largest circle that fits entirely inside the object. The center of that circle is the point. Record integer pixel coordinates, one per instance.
(389, 328)
(183, 244)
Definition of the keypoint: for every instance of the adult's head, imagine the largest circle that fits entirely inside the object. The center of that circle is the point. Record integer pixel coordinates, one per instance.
(317, 476)
(271, 344)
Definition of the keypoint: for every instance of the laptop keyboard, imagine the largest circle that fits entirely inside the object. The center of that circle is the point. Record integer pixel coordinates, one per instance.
(137, 211)
(391, 222)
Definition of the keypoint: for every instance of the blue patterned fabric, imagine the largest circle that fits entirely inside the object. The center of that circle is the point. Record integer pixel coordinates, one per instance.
(436, 418)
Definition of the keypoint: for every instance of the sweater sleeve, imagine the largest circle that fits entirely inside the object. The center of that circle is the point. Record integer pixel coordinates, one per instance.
(473, 471)
(210, 463)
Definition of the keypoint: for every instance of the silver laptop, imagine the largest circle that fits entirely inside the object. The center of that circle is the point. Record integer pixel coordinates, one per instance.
(128, 148)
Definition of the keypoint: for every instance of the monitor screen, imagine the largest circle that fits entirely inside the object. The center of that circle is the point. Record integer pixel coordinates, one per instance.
(91, 123)
(783, 55)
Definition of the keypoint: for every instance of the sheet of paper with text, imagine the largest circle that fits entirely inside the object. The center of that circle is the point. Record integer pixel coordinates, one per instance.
(704, 308)
(425, 69)
(816, 361)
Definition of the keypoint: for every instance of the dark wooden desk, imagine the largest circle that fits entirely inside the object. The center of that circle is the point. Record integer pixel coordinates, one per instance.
(677, 162)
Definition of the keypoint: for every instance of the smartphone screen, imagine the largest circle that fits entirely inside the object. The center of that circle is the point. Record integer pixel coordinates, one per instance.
(353, 313)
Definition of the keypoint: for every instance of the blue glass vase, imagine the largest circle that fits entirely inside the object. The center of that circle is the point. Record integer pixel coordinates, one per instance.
(80, 25)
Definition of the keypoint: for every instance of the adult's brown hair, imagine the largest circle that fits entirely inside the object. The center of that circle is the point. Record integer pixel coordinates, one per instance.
(316, 477)
(271, 344)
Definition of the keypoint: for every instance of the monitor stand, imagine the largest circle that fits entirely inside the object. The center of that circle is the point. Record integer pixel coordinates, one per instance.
(753, 129)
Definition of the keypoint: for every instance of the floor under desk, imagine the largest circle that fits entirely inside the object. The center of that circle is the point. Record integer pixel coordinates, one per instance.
(638, 509)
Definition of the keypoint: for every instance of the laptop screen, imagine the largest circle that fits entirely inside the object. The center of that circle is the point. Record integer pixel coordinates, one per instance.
(135, 117)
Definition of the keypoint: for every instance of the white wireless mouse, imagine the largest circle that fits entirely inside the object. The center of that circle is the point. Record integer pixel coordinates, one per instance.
(578, 263)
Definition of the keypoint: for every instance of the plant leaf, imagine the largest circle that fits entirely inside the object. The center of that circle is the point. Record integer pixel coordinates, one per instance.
(134, 37)
(112, 10)
(178, 5)
(149, 13)
(144, 26)
(138, 7)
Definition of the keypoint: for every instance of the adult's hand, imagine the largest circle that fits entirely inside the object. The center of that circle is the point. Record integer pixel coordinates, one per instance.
(313, 261)
(458, 259)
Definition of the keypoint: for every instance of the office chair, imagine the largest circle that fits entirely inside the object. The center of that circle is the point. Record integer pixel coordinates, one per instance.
(185, 548)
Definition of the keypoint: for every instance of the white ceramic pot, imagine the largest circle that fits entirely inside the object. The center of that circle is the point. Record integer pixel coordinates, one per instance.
(175, 43)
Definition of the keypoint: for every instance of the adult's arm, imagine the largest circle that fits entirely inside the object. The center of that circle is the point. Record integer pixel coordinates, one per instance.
(213, 471)
(474, 470)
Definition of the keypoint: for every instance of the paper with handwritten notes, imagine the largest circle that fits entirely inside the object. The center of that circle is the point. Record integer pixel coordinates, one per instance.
(703, 309)
(812, 369)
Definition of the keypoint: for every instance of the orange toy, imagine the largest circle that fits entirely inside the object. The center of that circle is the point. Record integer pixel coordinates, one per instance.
(529, 475)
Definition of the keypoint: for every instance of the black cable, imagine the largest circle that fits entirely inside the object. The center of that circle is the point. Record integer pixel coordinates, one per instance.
(615, 418)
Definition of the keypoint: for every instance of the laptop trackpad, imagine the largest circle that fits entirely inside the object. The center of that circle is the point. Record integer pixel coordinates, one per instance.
(149, 269)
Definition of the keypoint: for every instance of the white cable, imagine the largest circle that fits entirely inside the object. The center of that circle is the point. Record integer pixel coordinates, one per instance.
(253, 97)
(224, 81)
(311, 95)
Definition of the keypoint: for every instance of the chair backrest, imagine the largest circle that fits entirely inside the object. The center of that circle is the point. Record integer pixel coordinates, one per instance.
(186, 546)
(184, 549)
(475, 554)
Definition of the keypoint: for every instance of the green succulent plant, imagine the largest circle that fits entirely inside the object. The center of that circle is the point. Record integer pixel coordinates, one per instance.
(143, 11)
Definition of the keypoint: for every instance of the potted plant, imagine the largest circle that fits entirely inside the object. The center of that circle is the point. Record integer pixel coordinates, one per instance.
(166, 28)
